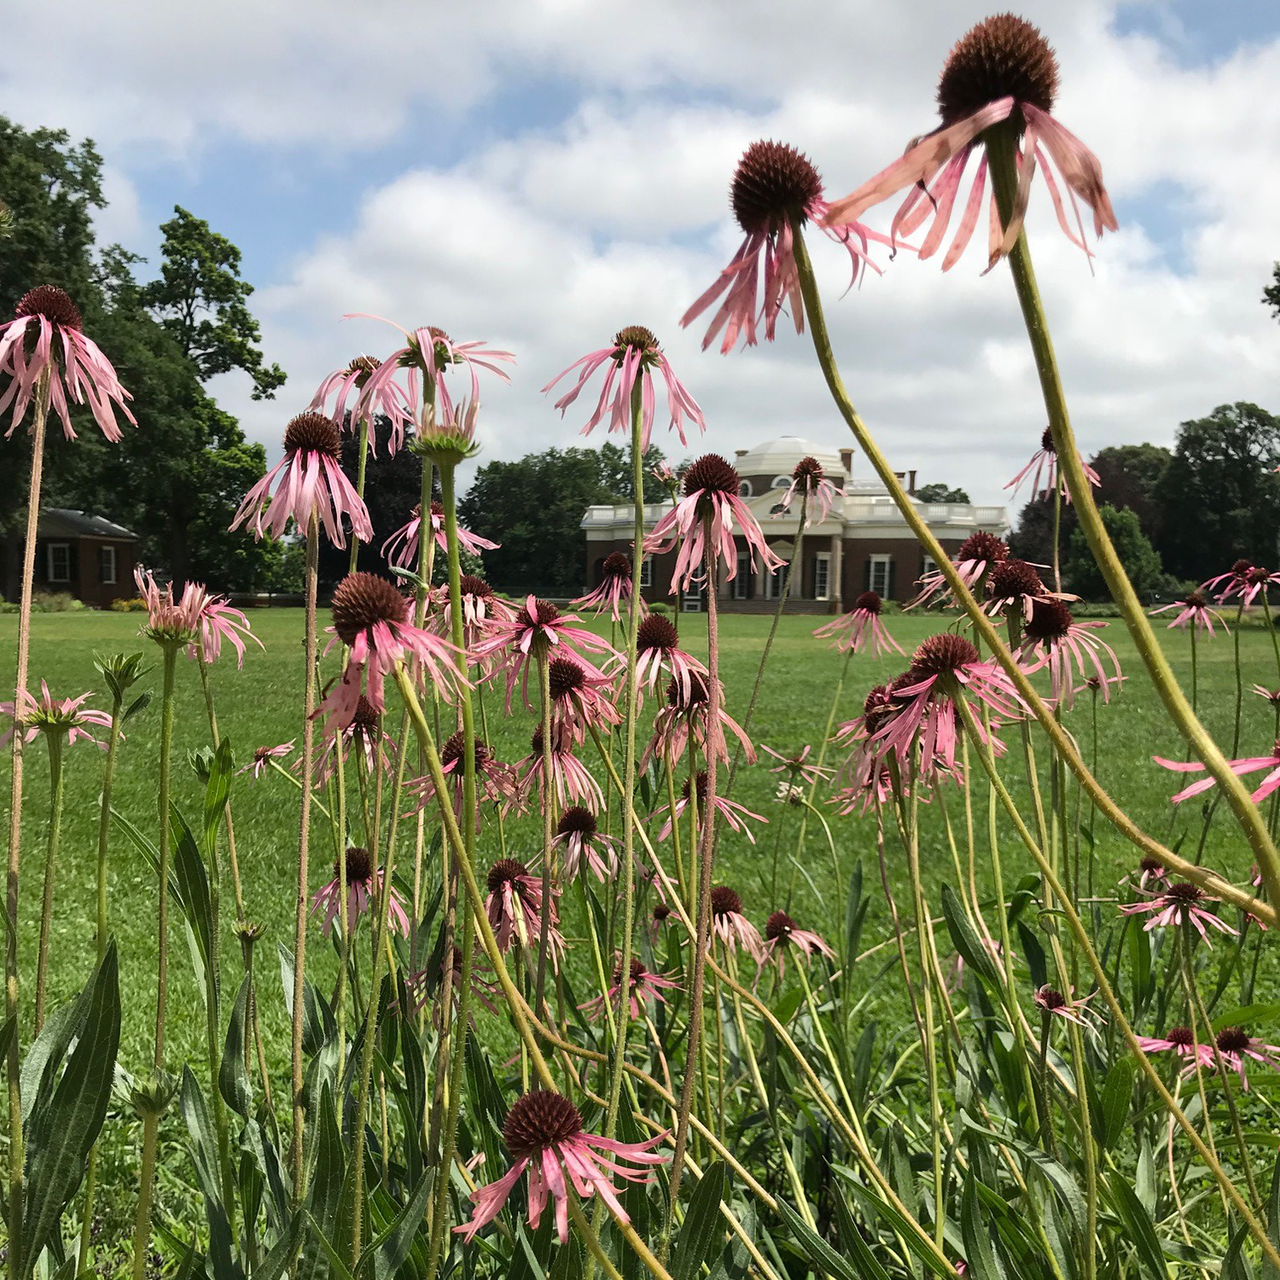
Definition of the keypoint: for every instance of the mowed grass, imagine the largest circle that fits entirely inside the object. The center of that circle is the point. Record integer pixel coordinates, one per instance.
(262, 705)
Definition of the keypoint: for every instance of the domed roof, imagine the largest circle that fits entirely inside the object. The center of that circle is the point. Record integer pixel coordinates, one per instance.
(779, 457)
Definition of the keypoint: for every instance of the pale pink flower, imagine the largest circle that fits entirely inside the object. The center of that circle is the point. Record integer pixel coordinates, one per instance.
(1243, 582)
(401, 549)
(1250, 764)
(482, 607)
(1001, 77)
(391, 402)
(580, 698)
(46, 335)
(585, 844)
(262, 758)
(364, 889)
(615, 592)
(372, 618)
(571, 780)
(705, 517)
(1235, 1044)
(1045, 461)
(1271, 695)
(425, 985)
(1052, 635)
(632, 357)
(1056, 1005)
(57, 717)
(807, 480)
(544, 1133)
(311, 485)
(1151, 871)
(1015, 586)
(494, 780)
(215, 621)
(860, 628)
(1180, 903)
(1193, 610)
(978, 554)
(731, 926)
(799, 766)
(377, 748)
(658, 650)
(643, 986)
(1182, 1043)
(515, 908)
(687, 715)
(775, 191)
(782, 934)
(734, 814)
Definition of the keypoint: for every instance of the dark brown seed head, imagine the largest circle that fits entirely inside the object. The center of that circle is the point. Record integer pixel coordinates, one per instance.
(544, 613)
(701, 785)
(1051, 622)
(982, 546)
(724, 902)
(779, 925)
(699, 694)
(638, 973)
(312, 433)
(470, 585)
(1242, 568)
(637, 338)
(879, 708)
(940, 655)
(51, 302)
(868, 602)
(540, 1120)
(535, 741)
(660, 912)
(1181, 1036)
(773, 182)
(577, 820)
(1258, 574)
(1002, 57)
(617, 565)
(505, 871)
(1232, 1040)
(1195, 600)
(366, 718)
(1012, 578)
(1046, 441)
(359, 866)
(711, 474)
(362, 367)
(565, 678)
(656, 632)
(808, 471)
(1183, 893)
(1051, 998)
(454, 747)
(1150, 864)
(362, 600)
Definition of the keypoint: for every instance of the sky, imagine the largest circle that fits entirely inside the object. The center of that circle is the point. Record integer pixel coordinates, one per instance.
(539, 174)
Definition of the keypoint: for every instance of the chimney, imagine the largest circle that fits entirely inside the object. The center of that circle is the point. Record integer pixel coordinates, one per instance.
(738, 453)
(846, 461)
(911, 483)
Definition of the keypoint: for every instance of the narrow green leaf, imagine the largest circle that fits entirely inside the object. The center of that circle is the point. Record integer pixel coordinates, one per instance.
(824, 1258)
(1141, 1230)
(384, 1256)
(980, 1254)
(331, 1255)
(1235, 1266)
(1269, 1270)
(233, 1077)
(324, 1194)
(700, 1229)
(318, 1024)
(204, 1155)
(965, 940)
(851, 1240)
(1117, 1094)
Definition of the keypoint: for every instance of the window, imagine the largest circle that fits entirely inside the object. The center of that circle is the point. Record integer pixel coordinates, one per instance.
(59, 562)
(775, 583)
(107, 565)
(646, 572)
(781, 482)
(822, 576)
(881, 572)
(744, 488)
(927, 565)
(741, 579)
(691, 600)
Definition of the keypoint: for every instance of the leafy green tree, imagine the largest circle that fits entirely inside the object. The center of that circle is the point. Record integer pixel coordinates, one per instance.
(1140, 559)
(1219, 496)
(940, 493)
(1130, 474)
(202, 301)
(1271, 294)
(615, 472)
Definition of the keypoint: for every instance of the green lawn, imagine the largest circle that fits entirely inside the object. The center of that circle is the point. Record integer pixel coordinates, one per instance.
(261, 705)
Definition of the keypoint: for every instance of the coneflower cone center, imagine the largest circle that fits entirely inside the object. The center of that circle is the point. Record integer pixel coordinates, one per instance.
(725, 902)
(454, 748)
(773, 182)
(655, 632)
(1011, 578)
(1050, 622)
(1233, 1040)
(359, 866)
(711, 474)
(779, 925)
(1183, 892)
(51, 302)
(982, 546)
(470, 585)
(1002, 57)
(635, 337)
(505, 871)
(362, 600)
(362, 367)
(698, 693)
(544, 613)
(868, 602)
(564, 677)
(699, 786)
(808, 472)
(577, 820)
(943, 654)
(1051, 998)
(638, 973)
(1181, 1036)
(312, 433)
(539, 1120)
(617, 565)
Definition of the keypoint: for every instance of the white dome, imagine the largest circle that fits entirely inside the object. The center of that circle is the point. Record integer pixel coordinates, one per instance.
(779, 457)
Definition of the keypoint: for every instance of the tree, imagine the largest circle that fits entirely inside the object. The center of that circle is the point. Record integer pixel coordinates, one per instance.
(202, 301)
(1140, 559)
(615, 472)
(1271, 294)
(1219, 496)
(534, 508)
(940, 493)
(1130, 475)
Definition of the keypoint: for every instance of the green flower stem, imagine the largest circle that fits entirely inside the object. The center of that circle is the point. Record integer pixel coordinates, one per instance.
(1004, 179)
(147, 1176)
(985, 628)
(170, 650)
(362, 458)
(302, 901)
(548, 833)
(1076, 925)
(11, 990)
(56, 742)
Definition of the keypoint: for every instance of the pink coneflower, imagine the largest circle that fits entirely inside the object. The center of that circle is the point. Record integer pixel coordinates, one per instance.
(734, 814)
(775, 189)
(632, 357)
(1250, 764)
(706, 515)
(1243, 582)
(364, 889)
(515, 907)
(945, 667)
(686, 715)
(494, 780)
(782, 933)
(45, 337)
(311, 483)
(425, 985)
(870, 789)
(579, 697)
(1180, 903)
(731, 926)
(808, 481)
(1182, 1043)
(401, 549)
(585, 844)
(537, 630)
(799, 765)
(1235, 1044)
(170, 620)
(59, 717)
(428, 352)
(658, 650)
(543, 1131)
(571, 780)
(1045, 460)
(614, 593)
(1016, 585)
(643, 986)
(481, 606)
(390, 402)
(1271, 695)
(1151, 871)
(860, 628)
(1053, 635)
(1193, 610)
(214, 620)
(372, 618)
(1056, 1005)
(262, 758)
(1001, 78)
(365, 733)
(659, 918)
(977, 555)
